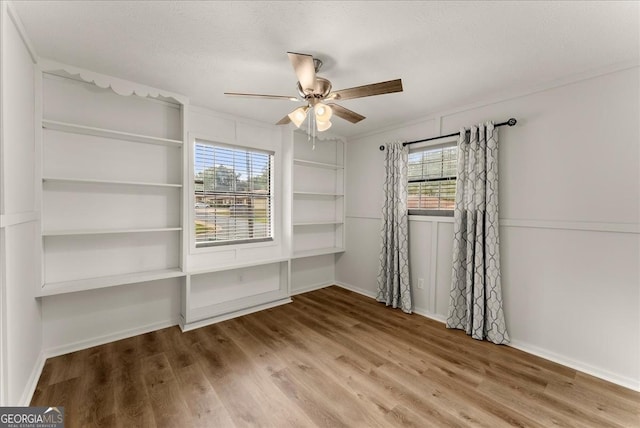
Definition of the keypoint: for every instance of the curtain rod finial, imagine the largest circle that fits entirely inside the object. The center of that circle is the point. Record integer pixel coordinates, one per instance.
(382, 148)
(512, 121)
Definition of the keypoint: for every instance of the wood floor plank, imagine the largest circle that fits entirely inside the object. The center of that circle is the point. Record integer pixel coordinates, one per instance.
(98, 399)
(332, 358)
(204, 404)
(165, 398)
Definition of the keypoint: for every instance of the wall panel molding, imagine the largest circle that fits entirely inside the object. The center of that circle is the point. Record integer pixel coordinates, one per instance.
(572, 225)
(7, 220)
(537, 224)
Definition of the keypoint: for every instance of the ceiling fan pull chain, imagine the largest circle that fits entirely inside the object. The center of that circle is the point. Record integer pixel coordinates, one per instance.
(313, 117)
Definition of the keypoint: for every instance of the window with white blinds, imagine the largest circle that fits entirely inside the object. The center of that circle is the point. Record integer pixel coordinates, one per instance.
(432, 180)
(233, 199)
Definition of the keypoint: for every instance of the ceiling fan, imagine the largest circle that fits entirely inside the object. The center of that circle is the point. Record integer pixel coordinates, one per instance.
(316, 90)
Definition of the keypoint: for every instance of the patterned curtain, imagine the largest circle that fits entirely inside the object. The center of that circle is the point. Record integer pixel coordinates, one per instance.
(475, 303)
(393, 277)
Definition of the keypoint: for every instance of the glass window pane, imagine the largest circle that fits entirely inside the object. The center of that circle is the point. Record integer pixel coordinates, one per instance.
(432, 178)
(232, 194)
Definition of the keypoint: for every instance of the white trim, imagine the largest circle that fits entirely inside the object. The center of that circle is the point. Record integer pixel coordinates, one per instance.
(109, 182)
(119, 86)
(107, 338)
(189, 188)
(587, 226)
(318, 194)
(441, 142)
(78, 232)
(318, 223)
(74, 128)
(433, 267)
(627, 382)
(4, 365)
(431, 315)
(56, 75)
(8, 220)
(572, 225)
(506, 96)
(313, 164)
(431, 218)
(224, 317)
(85, 284)
(308, 288)
(301, 254)
(32, 383)
(3, 101)
(234, 266)
(355, 289)
(22, 32)
(363, 217)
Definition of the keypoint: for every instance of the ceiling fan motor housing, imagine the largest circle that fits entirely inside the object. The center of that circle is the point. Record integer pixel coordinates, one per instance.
(320, 91)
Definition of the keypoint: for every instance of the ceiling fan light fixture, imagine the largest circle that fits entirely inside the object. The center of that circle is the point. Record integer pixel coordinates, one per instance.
(323, 112)
(298, 115)
(323, 126)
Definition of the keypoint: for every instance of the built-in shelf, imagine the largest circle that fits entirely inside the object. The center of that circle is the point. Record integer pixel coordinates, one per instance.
(303, 162)
(107, 133)
(317, 194)
(92, 181)
(238, 266)
(317, 252)
(51, 289)
(106, 231)
(317, 223)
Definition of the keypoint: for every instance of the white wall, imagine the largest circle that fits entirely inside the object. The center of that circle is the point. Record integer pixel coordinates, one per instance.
(21, 330)
(570, 198)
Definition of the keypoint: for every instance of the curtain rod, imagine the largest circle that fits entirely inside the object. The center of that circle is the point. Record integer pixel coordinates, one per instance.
(509, 122)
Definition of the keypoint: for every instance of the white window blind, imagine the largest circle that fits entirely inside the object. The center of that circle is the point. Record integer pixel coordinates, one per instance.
(432, 180)
(233, 199)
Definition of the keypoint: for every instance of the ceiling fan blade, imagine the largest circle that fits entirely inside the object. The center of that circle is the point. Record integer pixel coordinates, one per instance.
(284, 120)
(271, 97)
(305, 70)
(388, 87)
(345, 113)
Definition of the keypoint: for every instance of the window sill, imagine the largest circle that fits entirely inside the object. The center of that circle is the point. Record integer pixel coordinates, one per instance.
(431, 218)
(233, 246)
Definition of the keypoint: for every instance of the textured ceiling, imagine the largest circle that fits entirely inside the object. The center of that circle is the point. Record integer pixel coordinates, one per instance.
(447, 53)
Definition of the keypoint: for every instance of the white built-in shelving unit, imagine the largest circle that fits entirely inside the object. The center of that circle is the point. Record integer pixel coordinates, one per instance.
(317, 197)
(115, 201)
(111, 183)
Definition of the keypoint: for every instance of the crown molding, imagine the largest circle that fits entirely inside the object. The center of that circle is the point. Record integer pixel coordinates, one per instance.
(119, 86)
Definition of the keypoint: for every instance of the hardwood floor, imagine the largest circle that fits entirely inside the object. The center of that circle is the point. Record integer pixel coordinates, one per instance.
(332, 358)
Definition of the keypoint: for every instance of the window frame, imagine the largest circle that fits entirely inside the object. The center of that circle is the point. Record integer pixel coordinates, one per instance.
(190, 213)
(430, 145)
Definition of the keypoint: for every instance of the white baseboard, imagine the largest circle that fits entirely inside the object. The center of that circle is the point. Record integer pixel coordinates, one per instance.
(32, 383)
(368, 293)
(231, 315)
(431, 315)
(312, 287)
(355, 289)
(624, 381)
(107, 338)
(627, 382)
